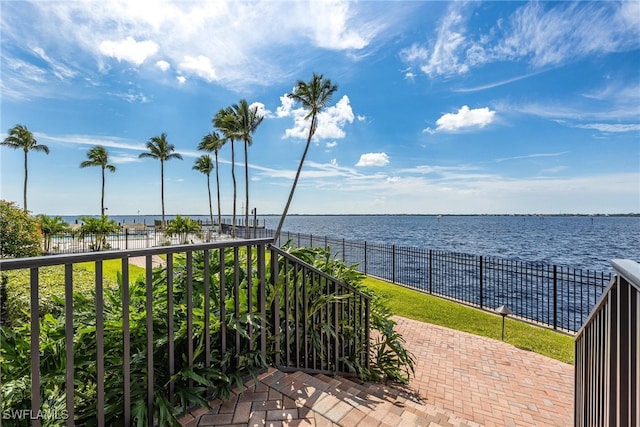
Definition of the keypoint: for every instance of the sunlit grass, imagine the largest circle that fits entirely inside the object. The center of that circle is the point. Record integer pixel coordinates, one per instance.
(426, 308)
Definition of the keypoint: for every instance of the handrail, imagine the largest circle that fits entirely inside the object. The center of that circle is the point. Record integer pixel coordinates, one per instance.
(607, 354)
(306, 265)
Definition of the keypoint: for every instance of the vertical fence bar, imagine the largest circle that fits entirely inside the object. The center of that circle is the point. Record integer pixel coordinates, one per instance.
(223, 308)
(190, 313)
(99, 345)
(170, 327)
(149, 323)
(430, 271)
(35, 345)
(206, 279)
(481, 283)
(276, 307)
(393, 263)
(126, 346)
(262, 300)
(68, 341)
(365, 257)
(555, 296)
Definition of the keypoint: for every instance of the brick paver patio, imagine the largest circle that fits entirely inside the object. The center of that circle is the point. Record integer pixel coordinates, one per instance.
(461, 380)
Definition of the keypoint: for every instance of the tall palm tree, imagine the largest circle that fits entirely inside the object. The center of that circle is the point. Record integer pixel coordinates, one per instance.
(205, 165)
(225, 121)
(314, 96)
(248, 121)
(160, 149)
(98, 156)
(213, 143)
(21, 137)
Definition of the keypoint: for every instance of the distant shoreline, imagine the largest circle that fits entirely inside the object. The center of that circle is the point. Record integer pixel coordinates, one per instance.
(372, 214)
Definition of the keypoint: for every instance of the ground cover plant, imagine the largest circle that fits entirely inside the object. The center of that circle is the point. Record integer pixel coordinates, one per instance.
(427, 308)
(193, 381)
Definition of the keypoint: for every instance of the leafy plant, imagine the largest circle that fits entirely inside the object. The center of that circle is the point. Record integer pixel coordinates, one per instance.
(182, 227)
(97, 230)
(19, 234)
(51, 226)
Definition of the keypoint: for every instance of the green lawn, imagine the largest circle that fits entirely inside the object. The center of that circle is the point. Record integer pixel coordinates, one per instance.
(426, 308)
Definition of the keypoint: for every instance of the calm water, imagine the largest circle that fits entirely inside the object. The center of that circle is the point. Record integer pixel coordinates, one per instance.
(580, 242)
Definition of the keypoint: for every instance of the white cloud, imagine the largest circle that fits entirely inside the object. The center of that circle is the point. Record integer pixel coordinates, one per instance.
(163, 65)
(200, 66)
(331, 144)
(181, 79)
(464, 119)
(331, 121)
(373, 159)
(612, 127)
(129, 50)
(261, 110)
(541, 34)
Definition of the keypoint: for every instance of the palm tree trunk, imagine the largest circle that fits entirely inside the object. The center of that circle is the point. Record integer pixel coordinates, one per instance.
(246, 180)
(102, 199)
(209, 192)
(233, 177)
(26, 173)
(295, 181)
(162, 189)
(218, 191)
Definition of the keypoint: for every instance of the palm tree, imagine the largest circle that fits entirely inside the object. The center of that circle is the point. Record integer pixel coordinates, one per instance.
(314, 96)
(225, 121)
(98, 156)
(50, 226)
(213, 142)
(160, 149)
(21, 137)
(248, 121)
(205, 165)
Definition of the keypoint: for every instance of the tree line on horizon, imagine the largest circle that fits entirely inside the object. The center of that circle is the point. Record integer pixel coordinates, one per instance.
(237, 122)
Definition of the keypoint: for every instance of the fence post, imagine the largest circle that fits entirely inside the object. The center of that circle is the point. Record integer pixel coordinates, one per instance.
(365, 257)
(481, 287)
(126, 238)
(555, 296)
(393, 263)
(430, 271)
(344, 259)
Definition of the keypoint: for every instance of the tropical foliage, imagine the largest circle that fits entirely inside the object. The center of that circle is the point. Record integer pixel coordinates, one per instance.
(182, 227)
(160, 149)
(224, 345)
(97, 230)
(50, 226)
(98, 156)
(21, 138)
(314, 96)
(19, 233)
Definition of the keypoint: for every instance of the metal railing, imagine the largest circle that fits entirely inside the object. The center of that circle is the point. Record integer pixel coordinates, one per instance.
(131, 350)
(556, 296)
(607, 354)
(551, 295)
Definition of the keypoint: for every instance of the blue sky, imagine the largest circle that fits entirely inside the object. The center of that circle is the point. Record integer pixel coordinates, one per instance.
(441, 108)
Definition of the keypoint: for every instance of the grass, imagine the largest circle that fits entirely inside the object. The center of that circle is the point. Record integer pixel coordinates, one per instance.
(427, 308)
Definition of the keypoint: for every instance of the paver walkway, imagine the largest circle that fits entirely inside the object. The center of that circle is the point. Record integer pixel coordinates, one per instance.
(461, 380)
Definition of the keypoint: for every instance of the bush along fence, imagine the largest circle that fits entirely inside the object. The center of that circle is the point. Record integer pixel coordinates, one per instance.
(138, 349)
(555, 296)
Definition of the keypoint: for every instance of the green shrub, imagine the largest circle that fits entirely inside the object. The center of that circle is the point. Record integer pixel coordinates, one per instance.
(19, 233)
(182, 227)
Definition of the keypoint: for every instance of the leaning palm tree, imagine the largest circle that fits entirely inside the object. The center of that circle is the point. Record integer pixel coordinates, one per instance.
(21, 137)
(225, 121)
(160, 149)
(205, 165)
(314, 96)
(213, 143)
(248, 121)
(98, 156)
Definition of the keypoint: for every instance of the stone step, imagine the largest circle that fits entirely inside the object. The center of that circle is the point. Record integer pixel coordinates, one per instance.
(283, 399)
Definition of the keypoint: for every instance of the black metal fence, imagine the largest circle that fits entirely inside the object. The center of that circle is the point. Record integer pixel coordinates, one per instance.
(555, 296)
(130, 352)
(607, 374)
